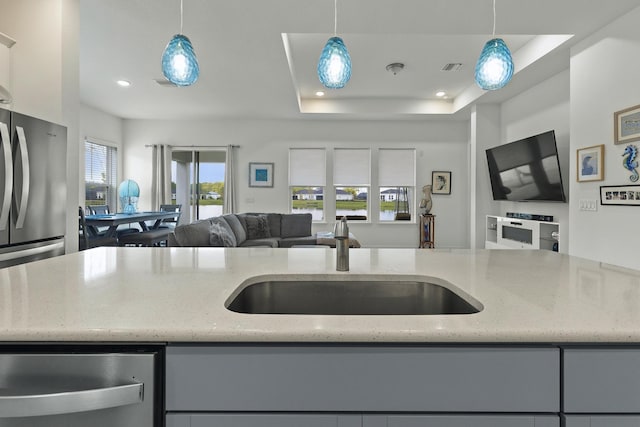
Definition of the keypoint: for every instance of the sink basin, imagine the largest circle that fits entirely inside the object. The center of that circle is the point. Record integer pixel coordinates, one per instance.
(354, 297)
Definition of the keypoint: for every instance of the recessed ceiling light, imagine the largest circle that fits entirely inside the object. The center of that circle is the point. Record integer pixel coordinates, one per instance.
(124, 83)
(441, 93)
(319, 93)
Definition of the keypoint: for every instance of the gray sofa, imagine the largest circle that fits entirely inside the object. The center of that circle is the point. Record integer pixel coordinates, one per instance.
(245, 230)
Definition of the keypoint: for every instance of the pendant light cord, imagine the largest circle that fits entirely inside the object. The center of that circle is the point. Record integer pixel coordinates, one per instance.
(335, 17)
(494, 20)
(181, 15)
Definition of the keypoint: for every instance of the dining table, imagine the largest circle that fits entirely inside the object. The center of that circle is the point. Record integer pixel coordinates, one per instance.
(112, 221)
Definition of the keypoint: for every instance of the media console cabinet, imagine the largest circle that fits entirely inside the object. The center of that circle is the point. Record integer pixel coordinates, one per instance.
(514, 233)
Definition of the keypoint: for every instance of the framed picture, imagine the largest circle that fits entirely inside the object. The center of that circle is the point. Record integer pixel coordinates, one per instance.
(441, 182)
(626, 125)
(622, 195)
(260, 174)
(590, 163)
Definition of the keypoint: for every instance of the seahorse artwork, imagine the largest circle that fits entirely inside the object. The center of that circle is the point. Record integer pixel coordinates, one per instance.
(630, 161)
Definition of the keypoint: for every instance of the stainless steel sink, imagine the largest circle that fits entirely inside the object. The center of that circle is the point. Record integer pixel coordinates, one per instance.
(356, 297)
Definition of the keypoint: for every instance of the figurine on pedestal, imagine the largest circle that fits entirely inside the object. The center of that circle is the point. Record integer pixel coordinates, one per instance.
(426, 202)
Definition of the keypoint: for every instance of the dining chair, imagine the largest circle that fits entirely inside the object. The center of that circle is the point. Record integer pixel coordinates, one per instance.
(173, 221)
(100, 209)
(87, 239)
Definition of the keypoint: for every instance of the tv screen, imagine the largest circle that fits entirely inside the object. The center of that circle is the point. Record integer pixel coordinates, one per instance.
(526, 170)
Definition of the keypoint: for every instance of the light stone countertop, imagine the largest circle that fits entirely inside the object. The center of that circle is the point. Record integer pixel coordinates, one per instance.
(179, 294)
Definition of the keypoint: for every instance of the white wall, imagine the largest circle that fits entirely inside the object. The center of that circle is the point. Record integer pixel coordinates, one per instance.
(604, 79)
(36, 58)
(542, 108)
(440, 145)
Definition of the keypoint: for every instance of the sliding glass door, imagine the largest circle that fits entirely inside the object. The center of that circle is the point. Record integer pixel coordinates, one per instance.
(197, 182)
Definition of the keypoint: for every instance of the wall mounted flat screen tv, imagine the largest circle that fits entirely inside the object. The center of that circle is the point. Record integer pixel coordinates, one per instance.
(526, 170)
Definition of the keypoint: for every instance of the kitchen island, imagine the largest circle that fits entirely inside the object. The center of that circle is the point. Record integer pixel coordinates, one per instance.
(555, 338)
(179, 295)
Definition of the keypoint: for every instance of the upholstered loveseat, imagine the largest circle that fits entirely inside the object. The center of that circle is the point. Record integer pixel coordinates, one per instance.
(248, 229)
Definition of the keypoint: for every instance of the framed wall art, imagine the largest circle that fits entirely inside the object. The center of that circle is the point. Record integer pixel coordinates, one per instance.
(441, 182)
(260, 174)
(590, 163)
(622, 195)
(626, 125)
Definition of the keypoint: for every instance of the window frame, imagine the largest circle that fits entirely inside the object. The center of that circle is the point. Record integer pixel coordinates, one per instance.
(358, 176)
(317, 180)
(116, 158)
(406, 179)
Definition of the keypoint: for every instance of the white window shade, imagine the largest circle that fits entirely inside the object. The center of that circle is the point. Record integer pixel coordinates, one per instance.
(352, 166)
(397, 167)
(307, 167)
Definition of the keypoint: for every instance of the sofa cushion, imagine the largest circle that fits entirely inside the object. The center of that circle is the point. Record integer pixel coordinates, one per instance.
(257, 227)
(229, 235)
(194, 234)
(295, 225)
(274, 223)
(236, 226)
(220, 236)
(291, 241)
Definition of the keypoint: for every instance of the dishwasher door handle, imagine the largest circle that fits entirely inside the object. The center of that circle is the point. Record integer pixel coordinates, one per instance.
(70, 401)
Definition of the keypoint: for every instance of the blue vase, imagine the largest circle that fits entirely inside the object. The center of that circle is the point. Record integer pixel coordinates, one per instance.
(128, 193)
(334, 66)
(179, 62)
(494, 68)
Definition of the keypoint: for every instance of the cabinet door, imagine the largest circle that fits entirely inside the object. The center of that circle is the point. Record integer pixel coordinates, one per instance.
(263, 420)
(452, 420)
(265, 378)
(601, 380)
(602, 421)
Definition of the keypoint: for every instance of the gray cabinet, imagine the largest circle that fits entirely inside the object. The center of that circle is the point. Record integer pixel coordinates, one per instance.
(601, 380)
(602, 421)
(345, 420)
(452, 420)
(313, 378)
(263, 420)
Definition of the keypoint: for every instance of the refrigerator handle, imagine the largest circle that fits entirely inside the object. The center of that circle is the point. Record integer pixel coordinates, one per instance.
(24, 199)
(5, 143)
(70, 402)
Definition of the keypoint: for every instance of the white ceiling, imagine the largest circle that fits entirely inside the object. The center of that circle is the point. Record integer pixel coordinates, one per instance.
(258, 57)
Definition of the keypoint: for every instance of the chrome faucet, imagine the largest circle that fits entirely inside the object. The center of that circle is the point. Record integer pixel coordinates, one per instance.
(341, 234)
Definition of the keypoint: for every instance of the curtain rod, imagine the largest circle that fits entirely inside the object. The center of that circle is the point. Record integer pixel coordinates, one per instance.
(194, 146)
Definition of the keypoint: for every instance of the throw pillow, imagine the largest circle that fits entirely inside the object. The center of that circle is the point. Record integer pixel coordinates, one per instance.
(257, 227)
(193, 235)
(226, 227)
(295, 225)
(219, 236)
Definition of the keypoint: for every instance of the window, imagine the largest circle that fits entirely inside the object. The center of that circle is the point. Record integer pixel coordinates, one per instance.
(100, 175)
(351, 178)
(397, 180)
(307, 179)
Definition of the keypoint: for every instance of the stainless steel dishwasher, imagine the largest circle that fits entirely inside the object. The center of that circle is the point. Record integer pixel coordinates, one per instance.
(83, 388)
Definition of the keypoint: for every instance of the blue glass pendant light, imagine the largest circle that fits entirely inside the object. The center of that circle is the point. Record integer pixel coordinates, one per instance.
(494, 68)
(179, 62)
(334, 66)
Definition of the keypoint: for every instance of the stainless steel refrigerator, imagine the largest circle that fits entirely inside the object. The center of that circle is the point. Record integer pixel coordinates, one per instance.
(33, 189)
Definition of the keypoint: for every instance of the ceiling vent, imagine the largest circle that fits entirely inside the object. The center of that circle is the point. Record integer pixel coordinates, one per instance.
(164, 82)
(453, 66)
